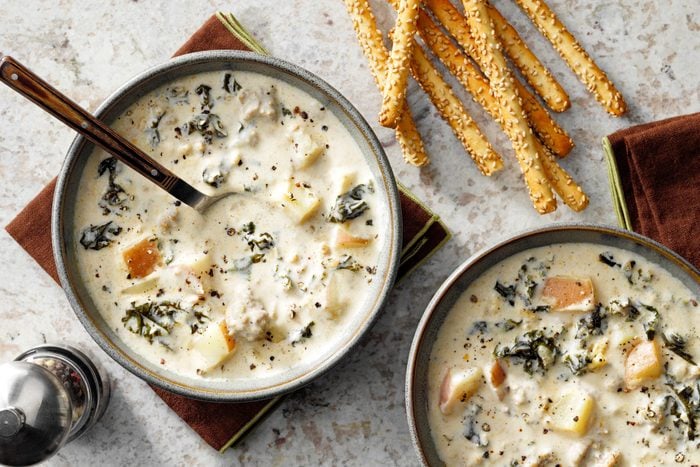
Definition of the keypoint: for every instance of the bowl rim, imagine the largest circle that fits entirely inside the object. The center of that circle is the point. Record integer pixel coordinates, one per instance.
(418, 338)
(369, 140)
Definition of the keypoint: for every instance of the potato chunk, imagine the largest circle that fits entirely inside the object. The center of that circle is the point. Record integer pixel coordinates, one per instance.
(573, 412)
(215, 344)
(344, 180)
(598, 355)
(335, 301)
(142, 258)
(608, 459)
(497, 374)
(643, 364)
(300, 202)
(457, 387)
(344, 239)
(307, 148)
(577, 451)
(199, 264)
(496, 377)
(141, 286)
(569, 293)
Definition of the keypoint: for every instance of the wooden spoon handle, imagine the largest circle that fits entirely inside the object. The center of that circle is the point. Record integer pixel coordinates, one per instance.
(19, 78)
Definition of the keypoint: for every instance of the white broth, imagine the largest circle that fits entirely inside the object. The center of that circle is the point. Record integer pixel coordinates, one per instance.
(266, 279)
(572, 354)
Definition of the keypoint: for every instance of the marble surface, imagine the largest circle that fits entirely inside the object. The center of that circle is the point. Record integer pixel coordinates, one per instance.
(355, 414)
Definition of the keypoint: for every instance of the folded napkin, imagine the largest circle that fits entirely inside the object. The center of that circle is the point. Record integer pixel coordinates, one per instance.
(655, 181)
(222, 425)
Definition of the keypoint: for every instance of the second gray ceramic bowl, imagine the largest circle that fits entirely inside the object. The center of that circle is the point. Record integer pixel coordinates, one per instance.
(452, 288)
(64, 241)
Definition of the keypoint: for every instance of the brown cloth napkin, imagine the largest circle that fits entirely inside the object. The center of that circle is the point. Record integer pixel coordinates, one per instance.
(222, 425)
(656, 181)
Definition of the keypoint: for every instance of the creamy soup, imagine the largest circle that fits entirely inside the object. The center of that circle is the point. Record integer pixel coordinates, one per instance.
(573, 354)
(267, 278)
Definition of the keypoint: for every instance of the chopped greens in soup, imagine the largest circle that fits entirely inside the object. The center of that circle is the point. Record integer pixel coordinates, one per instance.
(572, 354)
(265, 280)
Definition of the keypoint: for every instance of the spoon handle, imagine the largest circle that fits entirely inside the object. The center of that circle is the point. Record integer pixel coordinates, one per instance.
(19, 78)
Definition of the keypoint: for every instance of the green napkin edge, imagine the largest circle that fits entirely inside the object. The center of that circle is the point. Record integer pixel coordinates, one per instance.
(618, 195)
(415, 244)
(239, 31)
(251, 423)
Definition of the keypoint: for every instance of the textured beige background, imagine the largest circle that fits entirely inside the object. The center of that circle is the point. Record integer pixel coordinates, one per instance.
(355, 414)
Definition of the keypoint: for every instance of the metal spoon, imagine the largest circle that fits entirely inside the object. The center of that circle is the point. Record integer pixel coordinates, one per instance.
(19, 78)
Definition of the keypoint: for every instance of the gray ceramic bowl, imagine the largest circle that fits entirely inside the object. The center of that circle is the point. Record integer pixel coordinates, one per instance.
(452, 288)
(67, 190)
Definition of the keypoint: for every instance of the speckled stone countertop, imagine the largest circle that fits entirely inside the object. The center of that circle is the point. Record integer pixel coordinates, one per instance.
(355, 414)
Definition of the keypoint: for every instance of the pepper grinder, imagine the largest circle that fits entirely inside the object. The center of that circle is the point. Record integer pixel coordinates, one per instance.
(49, 396)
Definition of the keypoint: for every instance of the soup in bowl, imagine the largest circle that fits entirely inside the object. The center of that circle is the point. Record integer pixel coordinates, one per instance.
(270, 286)
(570, 345)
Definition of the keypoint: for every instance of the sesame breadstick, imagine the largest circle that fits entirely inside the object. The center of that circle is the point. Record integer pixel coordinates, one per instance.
(575, 56)
(452, 110)
(543, 124)
(551, 134)
(454, 22)
(409, 139)
(461, 67)
(370, 39)
(466, 73)
(458, 64)
(534, 72)
(395, 84)
(568, 190)
(494, 65)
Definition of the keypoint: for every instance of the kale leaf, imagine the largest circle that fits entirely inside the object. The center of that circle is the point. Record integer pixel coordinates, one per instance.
(96, 237)
(684, 406)
(607, 258)
(263, 241)
(204, 97)
(151, 129)
(507, 292)
(577, 363)
(508, 324)
(199, 316)
(538, 308)
(214, 176)
(677, 344)
(150, 319)
(473, 431)
(593, 324)
(207, 124)
(346, 262)
(304, 333)
(652, 322)
(177, 95)
(230, 84)
(248, 228)
(349, 205)
(480, 327)
(244, 263)
(524, 285)
(536, 351)
(115, 196)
